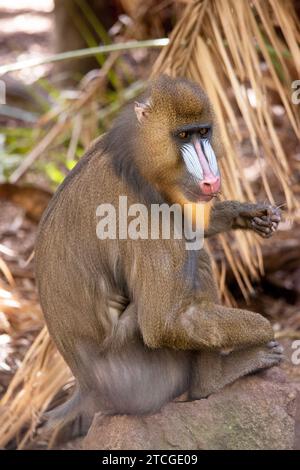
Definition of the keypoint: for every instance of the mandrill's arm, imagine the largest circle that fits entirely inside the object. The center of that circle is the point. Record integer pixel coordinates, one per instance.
(171, 314)
(227, 215)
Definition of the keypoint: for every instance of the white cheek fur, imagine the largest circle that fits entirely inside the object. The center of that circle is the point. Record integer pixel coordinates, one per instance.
(191, 160)
(211, 157)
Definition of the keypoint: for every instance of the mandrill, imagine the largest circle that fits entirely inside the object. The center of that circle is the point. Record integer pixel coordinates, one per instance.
(139, 321)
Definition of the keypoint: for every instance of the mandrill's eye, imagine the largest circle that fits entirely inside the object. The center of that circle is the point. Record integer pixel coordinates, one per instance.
(183, 135)
(204, 131)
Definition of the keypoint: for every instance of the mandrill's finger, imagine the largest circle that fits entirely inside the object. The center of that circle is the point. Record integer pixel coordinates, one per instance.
(274, 227)
(275, 218)
(261, 230)
(261, 211)
(261, 222)
(265, 235)
(270, 211)
(255, 212)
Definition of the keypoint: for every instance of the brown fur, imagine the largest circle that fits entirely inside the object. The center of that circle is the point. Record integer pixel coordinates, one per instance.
(134, 319)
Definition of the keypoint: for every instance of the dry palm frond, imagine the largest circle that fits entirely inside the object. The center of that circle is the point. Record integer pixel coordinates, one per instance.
(5, 270)
(19, 316)
(220, 44)
(42, 373)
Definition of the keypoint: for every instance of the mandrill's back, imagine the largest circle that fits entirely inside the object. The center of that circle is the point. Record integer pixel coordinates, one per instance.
(73, 268)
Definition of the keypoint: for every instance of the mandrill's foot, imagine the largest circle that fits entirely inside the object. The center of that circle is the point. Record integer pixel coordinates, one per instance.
(212, 370)
(269, 356)
(261, 218)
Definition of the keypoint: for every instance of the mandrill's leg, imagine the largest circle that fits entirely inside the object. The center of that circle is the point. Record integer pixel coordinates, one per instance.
(211, 371)
(227, 215)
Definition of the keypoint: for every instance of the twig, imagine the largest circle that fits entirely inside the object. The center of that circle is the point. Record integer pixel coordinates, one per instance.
(80, 53)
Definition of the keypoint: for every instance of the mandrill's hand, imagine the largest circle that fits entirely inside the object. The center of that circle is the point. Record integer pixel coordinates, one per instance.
(262, 218)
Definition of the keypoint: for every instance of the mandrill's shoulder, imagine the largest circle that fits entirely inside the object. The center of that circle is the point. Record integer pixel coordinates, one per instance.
(90, 179)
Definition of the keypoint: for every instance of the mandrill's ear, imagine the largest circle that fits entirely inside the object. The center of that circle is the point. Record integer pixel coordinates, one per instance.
(142, 110)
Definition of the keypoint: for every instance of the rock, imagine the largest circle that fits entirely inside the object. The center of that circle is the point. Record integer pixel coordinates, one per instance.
(256, 412)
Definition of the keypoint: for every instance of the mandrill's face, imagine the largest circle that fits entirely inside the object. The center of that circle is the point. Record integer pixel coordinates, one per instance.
(202, 181)
(177, 125)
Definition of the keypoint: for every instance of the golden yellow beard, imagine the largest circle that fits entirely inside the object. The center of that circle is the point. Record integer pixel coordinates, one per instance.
(194, 207)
